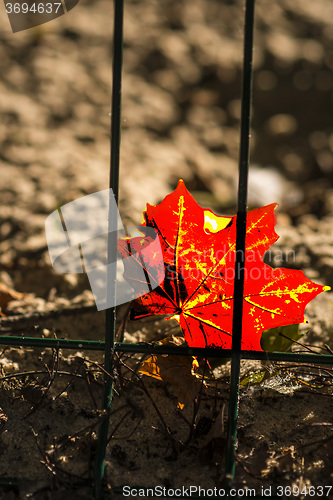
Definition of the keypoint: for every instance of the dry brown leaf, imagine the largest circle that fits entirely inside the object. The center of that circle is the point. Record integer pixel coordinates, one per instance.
(7, 295)
(217, 429)
(178, 371)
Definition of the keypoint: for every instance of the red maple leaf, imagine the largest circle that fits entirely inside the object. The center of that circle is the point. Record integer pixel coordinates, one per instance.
(199, 250)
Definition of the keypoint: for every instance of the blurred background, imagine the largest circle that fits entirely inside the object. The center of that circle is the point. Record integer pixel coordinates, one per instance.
(181, 113)
(181, 119)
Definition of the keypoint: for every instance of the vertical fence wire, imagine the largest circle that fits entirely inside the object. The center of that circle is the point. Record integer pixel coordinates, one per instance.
(240, 241)
(110, 323)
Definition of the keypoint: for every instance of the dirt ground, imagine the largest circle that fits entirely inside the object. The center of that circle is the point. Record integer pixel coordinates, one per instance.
(180, 119)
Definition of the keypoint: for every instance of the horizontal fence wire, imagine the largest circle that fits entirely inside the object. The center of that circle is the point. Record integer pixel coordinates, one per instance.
(147, 348)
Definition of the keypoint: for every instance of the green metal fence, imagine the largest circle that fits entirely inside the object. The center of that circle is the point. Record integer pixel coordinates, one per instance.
(109, 346)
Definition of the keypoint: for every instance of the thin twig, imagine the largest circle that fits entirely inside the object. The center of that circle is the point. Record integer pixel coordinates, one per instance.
(99, 366)
(196, 406)
(119, 424)
(175, 447)
(329, 349)
(36, 372)
(247, 470)
(52, 375)
(121, 330)
(308, 347)
(328, 372)
(74, 375)
(81, 432)
(39, 316)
